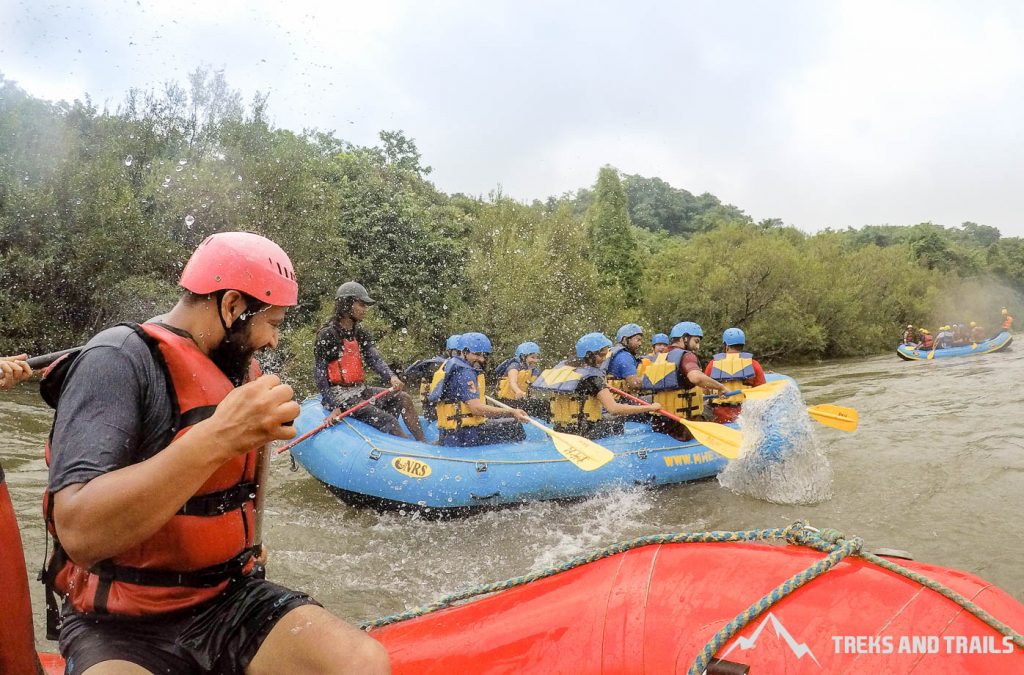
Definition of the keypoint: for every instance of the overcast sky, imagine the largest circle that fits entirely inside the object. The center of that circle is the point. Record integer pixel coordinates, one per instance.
(818, 113)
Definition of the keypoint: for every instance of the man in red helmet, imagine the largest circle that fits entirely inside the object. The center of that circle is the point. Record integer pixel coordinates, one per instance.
(152, 487)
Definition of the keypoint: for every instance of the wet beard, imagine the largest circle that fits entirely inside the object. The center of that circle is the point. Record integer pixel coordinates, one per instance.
(233, 354)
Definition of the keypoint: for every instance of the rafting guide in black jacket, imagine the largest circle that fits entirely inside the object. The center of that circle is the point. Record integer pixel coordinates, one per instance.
(342, 351)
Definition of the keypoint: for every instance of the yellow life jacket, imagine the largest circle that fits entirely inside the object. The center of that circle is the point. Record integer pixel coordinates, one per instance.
(645, 361)
(677, 396)
(568, 407)
(732, 370)
(617, 382)
(525, 377)
(453, 413)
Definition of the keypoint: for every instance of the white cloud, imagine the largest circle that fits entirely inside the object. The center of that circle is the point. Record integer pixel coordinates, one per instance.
(842, 113)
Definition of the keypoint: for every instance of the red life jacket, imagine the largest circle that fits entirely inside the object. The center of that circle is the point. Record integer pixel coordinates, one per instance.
(192, 558)
(347, 369)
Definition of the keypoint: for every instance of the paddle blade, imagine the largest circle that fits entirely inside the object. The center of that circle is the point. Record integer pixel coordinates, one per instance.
(719, 438)
(582, 452)
(767, 390)
(835, 416)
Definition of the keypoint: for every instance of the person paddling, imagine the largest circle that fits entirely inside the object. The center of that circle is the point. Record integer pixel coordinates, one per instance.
(515, 375)
(458, 393)
(423, 371)
(977, 333)
(621, 365)
(341, 349)
(736, 369)
(678, 382)
(580, 394)
(659, 345)
(151, 490)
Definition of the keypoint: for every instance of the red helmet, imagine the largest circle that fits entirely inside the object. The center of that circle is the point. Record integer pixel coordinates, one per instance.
(242, 261)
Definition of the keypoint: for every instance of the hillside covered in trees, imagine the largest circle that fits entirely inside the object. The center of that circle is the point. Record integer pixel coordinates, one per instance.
(99, 210)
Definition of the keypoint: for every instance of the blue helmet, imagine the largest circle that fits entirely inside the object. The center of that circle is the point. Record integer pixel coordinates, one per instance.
(591, 342)
(686, 328)
(628, 331)
(659, 339)
(454, 342)
(526, 349)
(476, 343)
(733, 336)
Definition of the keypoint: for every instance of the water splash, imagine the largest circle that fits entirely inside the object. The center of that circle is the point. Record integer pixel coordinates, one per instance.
(189, 219)
(128, 160)
(782, 461)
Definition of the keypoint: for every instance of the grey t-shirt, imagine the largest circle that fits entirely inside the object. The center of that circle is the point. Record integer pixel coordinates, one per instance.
(115, 410)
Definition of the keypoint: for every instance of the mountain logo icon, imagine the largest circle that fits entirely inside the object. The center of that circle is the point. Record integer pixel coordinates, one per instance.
(798, 648)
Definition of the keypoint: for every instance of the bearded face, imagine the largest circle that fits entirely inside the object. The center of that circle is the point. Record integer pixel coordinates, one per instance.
(235, 351)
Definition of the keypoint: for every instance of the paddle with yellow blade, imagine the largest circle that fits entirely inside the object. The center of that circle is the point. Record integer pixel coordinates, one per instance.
(583, 452)
(835, 416)
(719, 438)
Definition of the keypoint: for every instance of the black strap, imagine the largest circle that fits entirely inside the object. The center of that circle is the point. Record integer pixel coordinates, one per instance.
(197, 415)
(202, 578)
(48, 575)
(219, 503)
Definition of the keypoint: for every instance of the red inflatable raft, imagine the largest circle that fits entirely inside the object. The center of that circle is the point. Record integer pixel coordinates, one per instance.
(653, 608)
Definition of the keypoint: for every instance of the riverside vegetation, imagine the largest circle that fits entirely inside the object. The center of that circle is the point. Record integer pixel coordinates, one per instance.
(99, 209)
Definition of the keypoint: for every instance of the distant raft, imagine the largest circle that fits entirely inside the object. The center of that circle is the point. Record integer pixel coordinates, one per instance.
(367, 467)
(1001, 341)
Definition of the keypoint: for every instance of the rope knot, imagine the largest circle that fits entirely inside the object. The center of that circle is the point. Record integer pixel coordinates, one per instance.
(794, 533)
(832, 535)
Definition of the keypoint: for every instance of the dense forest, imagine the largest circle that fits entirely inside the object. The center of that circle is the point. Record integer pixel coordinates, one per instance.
(99, 210)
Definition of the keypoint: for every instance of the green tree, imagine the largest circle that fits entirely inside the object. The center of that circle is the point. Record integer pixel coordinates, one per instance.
(612, 246)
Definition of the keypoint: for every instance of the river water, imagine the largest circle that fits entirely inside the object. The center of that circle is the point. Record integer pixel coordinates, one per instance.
(936, 468)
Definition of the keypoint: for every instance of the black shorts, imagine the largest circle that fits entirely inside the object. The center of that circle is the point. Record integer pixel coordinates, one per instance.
(220, 636)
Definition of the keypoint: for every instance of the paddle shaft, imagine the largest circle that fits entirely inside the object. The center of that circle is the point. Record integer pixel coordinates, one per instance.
(494, 401)
(663, 413)
(330, 420)
(262, 473)
(46, 359)
(724, 395)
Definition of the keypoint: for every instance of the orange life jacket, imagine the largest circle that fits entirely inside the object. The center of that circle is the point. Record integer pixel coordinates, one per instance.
(193, 557)
(1007, 322)
(347, 369)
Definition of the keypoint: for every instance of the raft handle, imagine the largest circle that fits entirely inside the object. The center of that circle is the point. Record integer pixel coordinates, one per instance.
(481, 467)
(894, 553)
(484, 497)
(727, 668)
(375, 454)
(642, 453)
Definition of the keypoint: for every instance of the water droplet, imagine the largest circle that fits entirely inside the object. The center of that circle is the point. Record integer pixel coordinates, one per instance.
(128, 160)
(179, 168)
(189, 220)
(182, 162)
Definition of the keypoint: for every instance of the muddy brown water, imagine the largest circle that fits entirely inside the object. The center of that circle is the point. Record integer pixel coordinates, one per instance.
(936, 468)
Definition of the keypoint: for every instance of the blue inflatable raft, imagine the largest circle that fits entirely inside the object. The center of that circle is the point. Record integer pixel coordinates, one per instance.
(367, 467)
(1001, 341)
